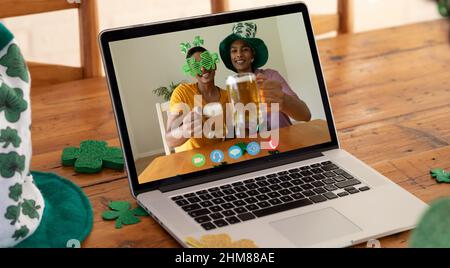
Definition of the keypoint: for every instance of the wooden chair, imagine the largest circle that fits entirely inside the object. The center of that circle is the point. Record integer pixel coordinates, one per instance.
(342, 21)
(48, 74)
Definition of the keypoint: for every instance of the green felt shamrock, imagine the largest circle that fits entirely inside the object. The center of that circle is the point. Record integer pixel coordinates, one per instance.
(30, 209)
(15, 64)
(21, 233)
(10, 163)
(13, 214)
(440, 175)
(9, 136)
(120, 211)
(92, 156)
(15, 192)
(12, 102)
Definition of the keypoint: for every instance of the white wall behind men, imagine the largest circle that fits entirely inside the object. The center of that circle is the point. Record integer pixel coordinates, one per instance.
(144, 64)
(53, 37)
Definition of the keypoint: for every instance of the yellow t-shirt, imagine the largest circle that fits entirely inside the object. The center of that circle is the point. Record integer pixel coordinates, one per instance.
(185, 93)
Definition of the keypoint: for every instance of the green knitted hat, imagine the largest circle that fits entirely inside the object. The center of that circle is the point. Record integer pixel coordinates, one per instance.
(245, 31)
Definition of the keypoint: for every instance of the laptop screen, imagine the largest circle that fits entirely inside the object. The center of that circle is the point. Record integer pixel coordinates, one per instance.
(214, 96)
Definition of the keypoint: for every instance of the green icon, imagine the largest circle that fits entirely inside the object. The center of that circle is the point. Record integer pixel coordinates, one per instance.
(198, 160)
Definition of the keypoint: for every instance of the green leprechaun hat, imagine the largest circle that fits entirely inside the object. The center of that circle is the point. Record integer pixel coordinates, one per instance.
(245, 31)
(36, 209)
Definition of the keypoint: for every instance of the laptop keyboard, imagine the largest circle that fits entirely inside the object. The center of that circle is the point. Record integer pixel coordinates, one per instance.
(273, 193)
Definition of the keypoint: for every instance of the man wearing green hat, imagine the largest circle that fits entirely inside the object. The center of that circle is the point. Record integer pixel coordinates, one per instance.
(242, 52)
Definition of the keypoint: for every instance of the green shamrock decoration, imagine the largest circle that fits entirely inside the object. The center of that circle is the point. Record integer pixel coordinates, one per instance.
(120, 211)
(15, 64)
(440, 175)
(197, 41)
(21, 233)
(10, 163)
(92, 156)
(15, 192)
(30, 209)
(12, 102)
(185, 47)
(209, 60)
(9, 136)
(13, 213)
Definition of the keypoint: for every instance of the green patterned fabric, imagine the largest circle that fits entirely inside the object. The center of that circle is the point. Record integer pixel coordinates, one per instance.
(5, 36)
(68, 214)
(21, 202)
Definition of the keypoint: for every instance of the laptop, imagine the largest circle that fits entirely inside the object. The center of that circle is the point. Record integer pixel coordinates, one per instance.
(287, 185)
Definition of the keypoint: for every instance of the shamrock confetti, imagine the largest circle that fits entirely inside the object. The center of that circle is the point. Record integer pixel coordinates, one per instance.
(120, 211)
(197, 41)
(9, 136)
(15, 64)
(92, 156)
(440, 175)
(12, 103)
(10, 163)
(219, 241)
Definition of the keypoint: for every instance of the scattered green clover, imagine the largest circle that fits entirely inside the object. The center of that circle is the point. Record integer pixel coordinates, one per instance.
(243, 147)
(120, 211)
(92, 156)
(440, 175)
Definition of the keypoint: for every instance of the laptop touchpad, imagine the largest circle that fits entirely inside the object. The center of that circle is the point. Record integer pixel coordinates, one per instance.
(314, 227)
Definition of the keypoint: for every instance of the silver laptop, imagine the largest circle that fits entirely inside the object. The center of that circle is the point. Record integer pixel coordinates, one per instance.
(285, 184)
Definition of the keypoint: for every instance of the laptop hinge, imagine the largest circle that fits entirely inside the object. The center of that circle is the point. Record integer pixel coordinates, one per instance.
(224, 174)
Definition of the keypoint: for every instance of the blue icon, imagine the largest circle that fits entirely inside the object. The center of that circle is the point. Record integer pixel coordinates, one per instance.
(235, 152)
(217, 156)
(253, 148)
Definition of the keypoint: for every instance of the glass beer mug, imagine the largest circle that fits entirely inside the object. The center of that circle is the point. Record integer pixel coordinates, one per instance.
(244, 95)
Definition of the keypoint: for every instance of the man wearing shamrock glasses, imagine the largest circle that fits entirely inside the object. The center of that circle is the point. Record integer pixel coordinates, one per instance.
(185, 129)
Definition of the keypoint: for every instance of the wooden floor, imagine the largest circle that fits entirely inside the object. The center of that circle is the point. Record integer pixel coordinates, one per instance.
(389, 90)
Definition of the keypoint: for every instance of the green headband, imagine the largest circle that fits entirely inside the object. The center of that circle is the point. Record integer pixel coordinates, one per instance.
(207, 60)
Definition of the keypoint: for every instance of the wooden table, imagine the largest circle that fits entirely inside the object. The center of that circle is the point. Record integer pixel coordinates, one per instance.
(389, 89)
(312, 133)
